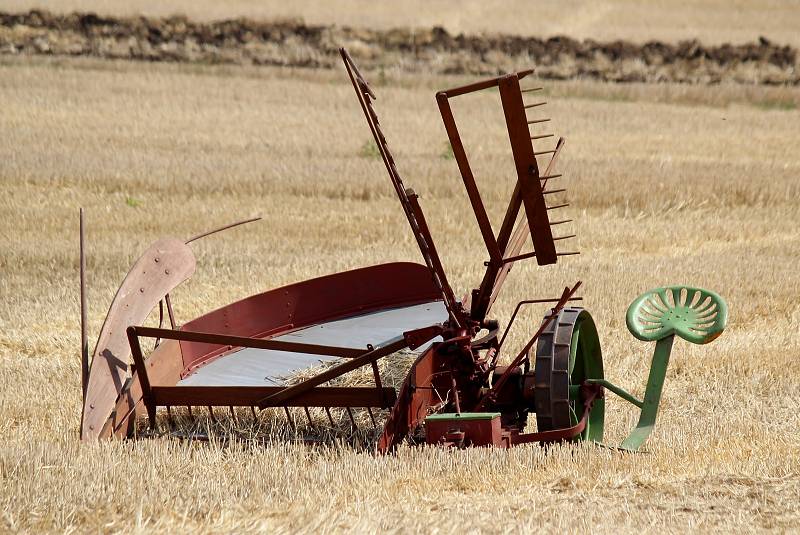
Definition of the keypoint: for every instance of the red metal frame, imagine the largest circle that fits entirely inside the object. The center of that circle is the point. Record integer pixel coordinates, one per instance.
(459, 373)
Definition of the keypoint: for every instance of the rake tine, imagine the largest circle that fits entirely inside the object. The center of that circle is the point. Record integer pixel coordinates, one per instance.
(536, 121)
(542, 136)
(550, 192)
(308, 417)
(558, 206)
(169, 417)
(350, 414)
(548, 177)
(211, 414)
(544, 152)
(189, 408)
(253, 410)
(289, 418)
(536, 105)
(554, 223)
(372, 417)
(233, 415)
(532, 89)
(568, 254)
(330, 418)
(565, 237)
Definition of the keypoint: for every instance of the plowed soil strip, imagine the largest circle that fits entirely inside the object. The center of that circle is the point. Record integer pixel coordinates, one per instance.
(432, 50)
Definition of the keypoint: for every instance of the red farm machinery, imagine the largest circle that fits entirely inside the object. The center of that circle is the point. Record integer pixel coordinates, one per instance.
(456, 393)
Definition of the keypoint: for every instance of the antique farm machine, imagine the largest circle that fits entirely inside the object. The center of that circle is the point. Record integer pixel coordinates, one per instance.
(457, 392)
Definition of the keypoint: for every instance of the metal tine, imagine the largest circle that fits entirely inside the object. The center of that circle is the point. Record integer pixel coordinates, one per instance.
(352, 420)
(211, 414)
(554, 223)
(308, 417)
(253, 410)
(548, 177)
(372, 417)
(549, 192)
(233, 415)
(535, 121)
(531, 89)
(289, 418)
(543, 136)
(558, 206)
(169, 417)
(568, 254)
(535, 105)
(532, 254)
(564, 237)
(189, 408)
(330, 418)
(544, 152)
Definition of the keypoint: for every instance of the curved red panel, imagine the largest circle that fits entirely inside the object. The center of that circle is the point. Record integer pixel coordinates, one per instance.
(313, 301)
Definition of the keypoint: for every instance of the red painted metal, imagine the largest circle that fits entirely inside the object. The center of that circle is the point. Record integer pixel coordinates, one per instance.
(458, 373)
(313, 301)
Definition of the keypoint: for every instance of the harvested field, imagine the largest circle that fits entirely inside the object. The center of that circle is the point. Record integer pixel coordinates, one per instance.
(432, 51)
(668, 182)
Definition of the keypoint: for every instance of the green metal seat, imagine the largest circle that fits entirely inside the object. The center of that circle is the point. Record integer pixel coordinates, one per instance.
(696, 315)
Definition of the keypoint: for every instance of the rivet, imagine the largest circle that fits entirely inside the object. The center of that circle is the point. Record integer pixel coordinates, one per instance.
(157, 260)
(141, 290)
(166, 271)
(91, 427)
(91, 405)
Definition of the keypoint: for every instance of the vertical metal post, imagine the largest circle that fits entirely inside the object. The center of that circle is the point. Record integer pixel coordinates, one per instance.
(84, 335)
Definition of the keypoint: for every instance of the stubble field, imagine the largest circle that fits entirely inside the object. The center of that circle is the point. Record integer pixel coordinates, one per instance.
(668, 184)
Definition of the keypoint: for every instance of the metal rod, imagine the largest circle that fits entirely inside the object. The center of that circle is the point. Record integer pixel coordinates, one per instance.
(536, 105)
(484, 84)
(330, 418)
(528, 302)
(548, 177)
(542, 136)
(552, 191)
(544, 152)
(521, 232)
(564, 237)
(372, 417)
(220, 229)
(289, 418)
(532, 89)
(334, 372)
(84, 327)
(243, 341)
(169, 311)
(308, 417)
(532, 254)
(537, 121)
(558, 206)
(350, 414)
(554, 223)
(454, 386)
(568, 293)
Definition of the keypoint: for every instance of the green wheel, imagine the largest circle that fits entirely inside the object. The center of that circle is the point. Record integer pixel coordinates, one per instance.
(568, 353)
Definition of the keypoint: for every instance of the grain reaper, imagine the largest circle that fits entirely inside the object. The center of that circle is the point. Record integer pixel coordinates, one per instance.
(456, 393)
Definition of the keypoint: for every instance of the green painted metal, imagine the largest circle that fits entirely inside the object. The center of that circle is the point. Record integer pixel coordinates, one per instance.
(447, 416)
(585, 363)
(608, 385)
(696, 315)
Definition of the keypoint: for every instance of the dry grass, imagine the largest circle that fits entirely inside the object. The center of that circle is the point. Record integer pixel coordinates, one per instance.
(699, 186)
(712, 21)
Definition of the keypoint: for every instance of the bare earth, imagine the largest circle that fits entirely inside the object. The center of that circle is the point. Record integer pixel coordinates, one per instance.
(668, 184)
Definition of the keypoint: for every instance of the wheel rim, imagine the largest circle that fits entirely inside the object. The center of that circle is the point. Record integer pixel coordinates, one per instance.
(568, 353)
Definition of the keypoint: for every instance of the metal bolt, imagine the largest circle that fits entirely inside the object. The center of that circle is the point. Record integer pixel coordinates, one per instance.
(157, 260)
(141, 290)
(166, 271)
